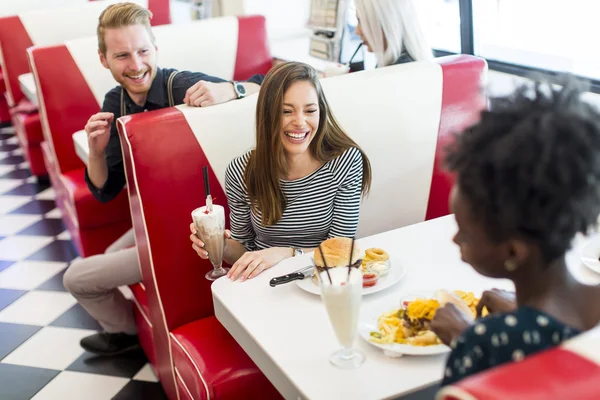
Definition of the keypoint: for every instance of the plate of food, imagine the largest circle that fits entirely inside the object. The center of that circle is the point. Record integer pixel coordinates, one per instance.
(590, 253)
(379, 269)
(401, 326)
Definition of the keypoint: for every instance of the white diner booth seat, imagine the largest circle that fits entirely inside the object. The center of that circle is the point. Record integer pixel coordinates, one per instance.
(402, 116)
(47, 27)
(71, 91)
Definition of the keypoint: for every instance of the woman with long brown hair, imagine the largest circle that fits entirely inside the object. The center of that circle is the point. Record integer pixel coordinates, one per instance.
(301, 184)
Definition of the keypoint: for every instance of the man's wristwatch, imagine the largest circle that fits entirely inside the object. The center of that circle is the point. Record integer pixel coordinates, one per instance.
(239, 89)
(297, 251)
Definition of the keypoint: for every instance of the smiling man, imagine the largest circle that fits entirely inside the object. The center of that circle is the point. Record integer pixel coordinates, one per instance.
(126, 47)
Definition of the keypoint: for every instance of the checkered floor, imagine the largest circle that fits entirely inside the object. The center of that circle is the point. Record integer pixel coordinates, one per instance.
(40, 322)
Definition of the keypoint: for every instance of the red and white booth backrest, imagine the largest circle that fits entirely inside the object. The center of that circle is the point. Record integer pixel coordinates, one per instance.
(570, 371)
(53, 26)
(71, 91)
(395, 117)
(403, 130)
(462, 100)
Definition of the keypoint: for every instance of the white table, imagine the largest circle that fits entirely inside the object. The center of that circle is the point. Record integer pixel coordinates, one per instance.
(287, 333)
(28, 87)
(81, 145)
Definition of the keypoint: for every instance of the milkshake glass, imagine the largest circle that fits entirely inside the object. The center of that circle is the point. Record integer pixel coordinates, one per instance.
(342, 297)
(210, 226)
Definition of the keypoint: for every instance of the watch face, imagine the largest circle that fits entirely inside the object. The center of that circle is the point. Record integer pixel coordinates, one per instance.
(241, 89)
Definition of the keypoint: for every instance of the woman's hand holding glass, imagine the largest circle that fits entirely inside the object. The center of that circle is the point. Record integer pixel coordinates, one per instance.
(250, 264)
(198, 245)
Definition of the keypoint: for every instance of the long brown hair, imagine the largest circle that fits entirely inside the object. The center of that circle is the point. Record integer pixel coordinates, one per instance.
(267, 163)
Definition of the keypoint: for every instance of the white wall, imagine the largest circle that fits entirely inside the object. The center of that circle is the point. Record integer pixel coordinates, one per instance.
(180, 12)
(285, 18)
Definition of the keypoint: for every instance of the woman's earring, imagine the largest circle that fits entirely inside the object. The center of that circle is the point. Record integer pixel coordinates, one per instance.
(510, 265)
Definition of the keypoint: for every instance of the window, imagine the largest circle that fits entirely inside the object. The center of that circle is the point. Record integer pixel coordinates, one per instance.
(440, 20)
(548, 34)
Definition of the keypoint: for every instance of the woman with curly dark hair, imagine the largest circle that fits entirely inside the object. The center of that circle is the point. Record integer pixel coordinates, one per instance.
(528, 180)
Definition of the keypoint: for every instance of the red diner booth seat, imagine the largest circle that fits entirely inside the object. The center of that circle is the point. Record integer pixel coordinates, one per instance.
(570, 371)
(67, 100)
(144, 326)
(4, 110)
(197, 358)
(46, 27)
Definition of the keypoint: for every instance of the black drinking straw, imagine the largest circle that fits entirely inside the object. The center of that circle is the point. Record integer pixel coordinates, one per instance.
(354, 55)
(350, 260)
(325, 263)
(206, 184)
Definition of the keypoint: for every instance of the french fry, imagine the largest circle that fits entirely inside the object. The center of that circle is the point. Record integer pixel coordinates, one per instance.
(392, 326)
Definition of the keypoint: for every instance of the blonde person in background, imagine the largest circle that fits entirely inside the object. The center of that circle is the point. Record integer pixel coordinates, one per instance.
(391, 30)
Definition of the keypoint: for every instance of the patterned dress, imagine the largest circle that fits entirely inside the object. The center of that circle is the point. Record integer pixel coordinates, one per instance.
(503, 338)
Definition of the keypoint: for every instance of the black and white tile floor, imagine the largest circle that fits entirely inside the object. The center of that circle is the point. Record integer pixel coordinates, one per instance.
(40, 322)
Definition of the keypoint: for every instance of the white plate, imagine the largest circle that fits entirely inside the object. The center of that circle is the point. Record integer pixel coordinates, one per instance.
(590, 253)
(396, 272)
(368, 323)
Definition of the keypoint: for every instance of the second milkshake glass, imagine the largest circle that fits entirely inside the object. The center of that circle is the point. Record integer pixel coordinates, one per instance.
(342, 296)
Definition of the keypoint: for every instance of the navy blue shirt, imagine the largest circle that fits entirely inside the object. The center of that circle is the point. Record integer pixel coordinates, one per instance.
(158, 98)
(503, 338)
(404, 58)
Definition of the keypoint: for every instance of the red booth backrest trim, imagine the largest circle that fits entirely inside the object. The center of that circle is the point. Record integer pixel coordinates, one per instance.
(13, 35)
(161, 337)
(463, 78)
(183, 383)
(61, 107)
(200, 305)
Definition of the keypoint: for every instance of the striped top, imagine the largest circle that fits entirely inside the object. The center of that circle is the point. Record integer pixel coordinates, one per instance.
(321, 205)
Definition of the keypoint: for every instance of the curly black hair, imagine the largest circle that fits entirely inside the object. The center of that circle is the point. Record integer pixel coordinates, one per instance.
(530, 168)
